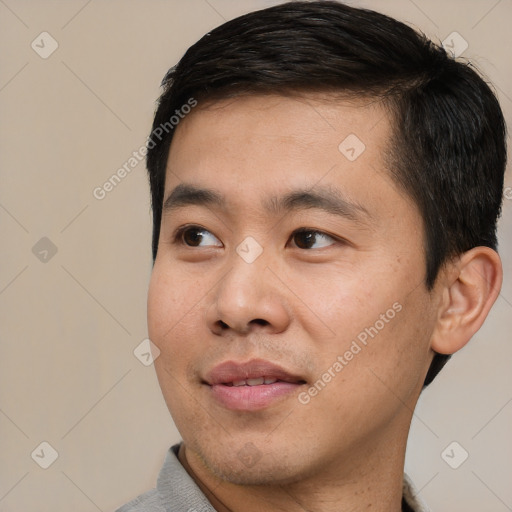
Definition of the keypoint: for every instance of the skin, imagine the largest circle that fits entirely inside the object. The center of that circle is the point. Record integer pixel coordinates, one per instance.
(301, 307)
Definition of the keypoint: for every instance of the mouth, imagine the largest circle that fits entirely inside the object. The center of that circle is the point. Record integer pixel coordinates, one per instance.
(258, 381)
(253, 385)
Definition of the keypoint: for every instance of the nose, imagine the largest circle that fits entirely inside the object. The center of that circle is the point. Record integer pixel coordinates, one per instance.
(248, 298)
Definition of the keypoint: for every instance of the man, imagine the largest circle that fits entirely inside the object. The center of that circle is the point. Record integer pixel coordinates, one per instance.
(325, 186)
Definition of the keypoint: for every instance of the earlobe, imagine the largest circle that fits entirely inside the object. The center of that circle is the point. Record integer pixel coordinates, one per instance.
(470, 286)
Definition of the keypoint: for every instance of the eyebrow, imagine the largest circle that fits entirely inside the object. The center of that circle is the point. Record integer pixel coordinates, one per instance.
(323, 198)
(190, 195)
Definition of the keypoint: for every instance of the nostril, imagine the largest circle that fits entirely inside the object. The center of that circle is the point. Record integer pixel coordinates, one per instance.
(259, 321)
(243, 328)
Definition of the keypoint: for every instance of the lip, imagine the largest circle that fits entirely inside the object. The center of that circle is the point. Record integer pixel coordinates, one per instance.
(250, 398)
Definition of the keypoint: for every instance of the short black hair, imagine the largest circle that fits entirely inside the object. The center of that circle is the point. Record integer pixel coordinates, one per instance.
(448, 151)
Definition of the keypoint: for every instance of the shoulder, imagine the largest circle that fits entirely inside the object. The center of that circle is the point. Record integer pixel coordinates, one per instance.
(148, 502)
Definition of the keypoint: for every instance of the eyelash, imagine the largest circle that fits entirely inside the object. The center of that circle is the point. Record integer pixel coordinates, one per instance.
(177, 238)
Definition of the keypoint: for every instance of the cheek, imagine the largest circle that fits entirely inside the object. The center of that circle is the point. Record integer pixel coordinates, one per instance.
(345, 300)
(174, 304)
(380, 320)
(173, 326)
(396, 354)
(162, 303)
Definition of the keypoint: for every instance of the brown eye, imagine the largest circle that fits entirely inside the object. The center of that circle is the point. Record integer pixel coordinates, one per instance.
(196, 236)
(307, 238)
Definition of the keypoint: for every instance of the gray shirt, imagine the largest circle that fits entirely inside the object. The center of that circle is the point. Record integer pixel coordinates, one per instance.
(176, 491)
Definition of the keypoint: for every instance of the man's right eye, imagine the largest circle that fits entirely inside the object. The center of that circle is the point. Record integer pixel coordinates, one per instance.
(196, 236)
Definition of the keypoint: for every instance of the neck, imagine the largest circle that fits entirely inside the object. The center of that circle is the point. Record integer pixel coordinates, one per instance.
(374, 482)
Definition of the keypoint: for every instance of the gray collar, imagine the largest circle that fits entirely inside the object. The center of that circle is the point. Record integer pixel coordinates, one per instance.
(177, 489)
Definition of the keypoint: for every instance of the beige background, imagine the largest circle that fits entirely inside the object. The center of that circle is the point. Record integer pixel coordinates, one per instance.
(70, 324)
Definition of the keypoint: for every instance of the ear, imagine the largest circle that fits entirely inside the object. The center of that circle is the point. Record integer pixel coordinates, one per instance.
(469, 287)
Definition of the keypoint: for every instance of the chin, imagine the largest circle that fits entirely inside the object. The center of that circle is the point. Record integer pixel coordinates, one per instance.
(253, 463)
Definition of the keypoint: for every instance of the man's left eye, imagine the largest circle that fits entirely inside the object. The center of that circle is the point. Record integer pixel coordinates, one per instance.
(311, 239)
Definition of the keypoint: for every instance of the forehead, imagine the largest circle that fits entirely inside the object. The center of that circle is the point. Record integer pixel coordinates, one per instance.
(284, 123)
(261, 145)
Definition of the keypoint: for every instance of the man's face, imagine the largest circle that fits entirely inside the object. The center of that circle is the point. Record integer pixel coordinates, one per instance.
(306, 257)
